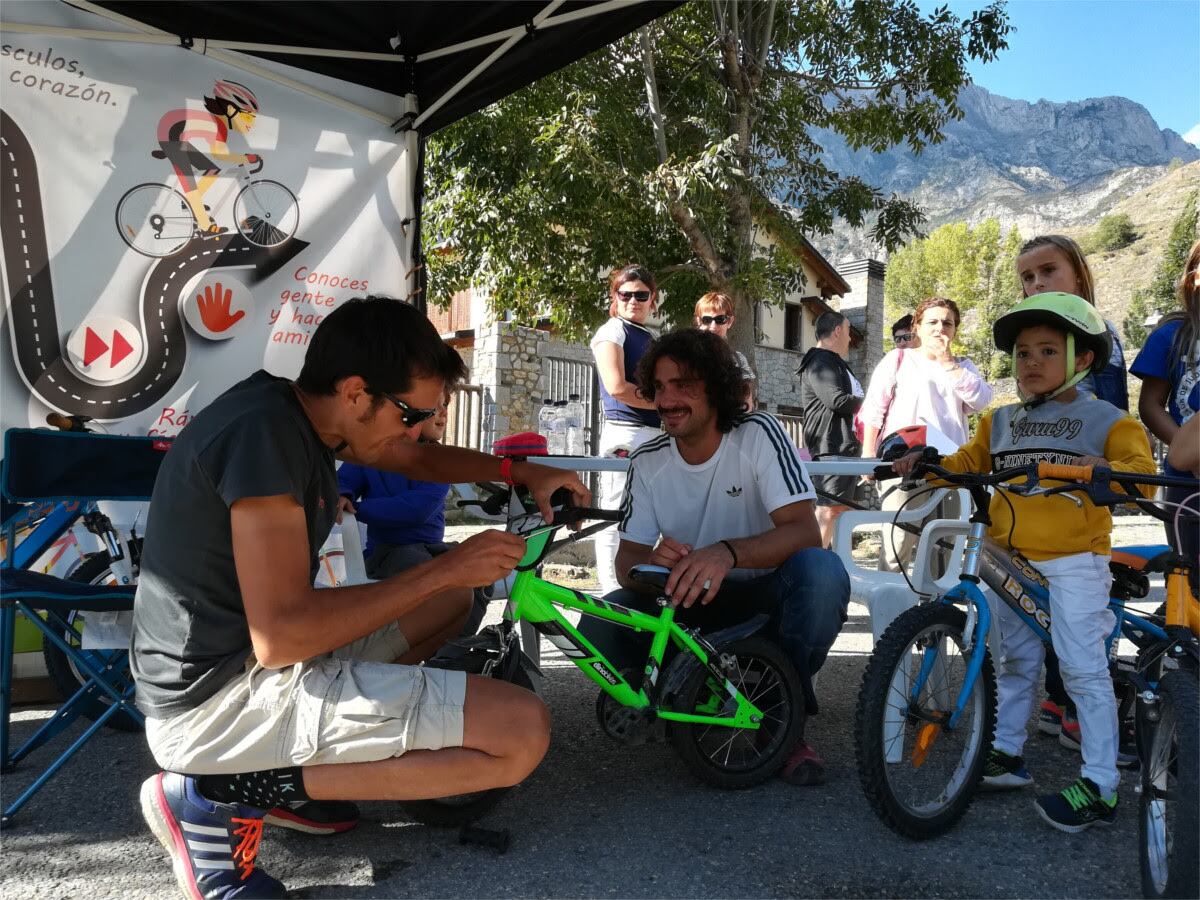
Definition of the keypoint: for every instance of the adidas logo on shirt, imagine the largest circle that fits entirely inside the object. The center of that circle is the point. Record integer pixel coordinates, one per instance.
(734, 491)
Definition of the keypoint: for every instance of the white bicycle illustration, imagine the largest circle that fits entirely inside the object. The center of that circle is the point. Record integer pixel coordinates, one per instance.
(155, 220)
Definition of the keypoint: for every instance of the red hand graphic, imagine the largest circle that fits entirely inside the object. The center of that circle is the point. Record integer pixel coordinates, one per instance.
(214, 309)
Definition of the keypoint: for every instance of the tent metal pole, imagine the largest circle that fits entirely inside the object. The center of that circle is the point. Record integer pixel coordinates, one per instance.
(491, 58)
(519, 30)
(410, 253)
(240, 62)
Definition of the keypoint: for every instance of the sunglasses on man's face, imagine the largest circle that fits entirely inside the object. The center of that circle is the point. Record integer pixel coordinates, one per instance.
(412, 415)
(639, 296)
(903, 338)
(715, 320)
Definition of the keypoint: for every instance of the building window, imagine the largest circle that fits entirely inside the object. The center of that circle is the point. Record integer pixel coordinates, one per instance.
(791, 326)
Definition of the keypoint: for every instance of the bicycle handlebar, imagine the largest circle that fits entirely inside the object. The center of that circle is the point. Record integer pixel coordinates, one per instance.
(1064, 473)
(564, 513)
(259, 166)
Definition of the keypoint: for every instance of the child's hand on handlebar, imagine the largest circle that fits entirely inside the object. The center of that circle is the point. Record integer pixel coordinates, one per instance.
(905, 464)
(1096, 462)
(345, 506)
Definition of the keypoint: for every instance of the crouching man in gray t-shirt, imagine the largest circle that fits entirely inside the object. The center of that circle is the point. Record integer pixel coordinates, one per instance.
(274, 697)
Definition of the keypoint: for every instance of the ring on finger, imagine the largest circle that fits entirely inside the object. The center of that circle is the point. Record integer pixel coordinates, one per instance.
(707, 584)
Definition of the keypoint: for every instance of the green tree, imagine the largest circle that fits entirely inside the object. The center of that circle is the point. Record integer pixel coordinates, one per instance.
(974, 267)
(687, 147)
(1160, 297)
(1112, 232)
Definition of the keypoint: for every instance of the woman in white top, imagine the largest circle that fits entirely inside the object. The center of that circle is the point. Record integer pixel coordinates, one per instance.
(629, 419)
(714, 312)
(926, 385)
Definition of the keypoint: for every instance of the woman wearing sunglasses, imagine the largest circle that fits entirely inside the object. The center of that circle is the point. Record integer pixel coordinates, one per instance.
(714, 312)
(629, 419)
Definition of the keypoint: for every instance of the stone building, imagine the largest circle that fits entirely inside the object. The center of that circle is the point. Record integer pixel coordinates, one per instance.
(514, 367)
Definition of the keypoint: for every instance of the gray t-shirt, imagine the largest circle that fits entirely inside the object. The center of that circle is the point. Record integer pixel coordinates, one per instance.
(190, 635)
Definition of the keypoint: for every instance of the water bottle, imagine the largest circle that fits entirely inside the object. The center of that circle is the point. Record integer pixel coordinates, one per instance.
(545, 421)
(558, 429)
(575, 446)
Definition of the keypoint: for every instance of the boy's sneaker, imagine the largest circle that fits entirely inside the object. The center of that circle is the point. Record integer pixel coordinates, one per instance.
(315, 816)
(1069, 736)
(1002, 772)
(1050, 718)
(212, 845)
(1077, 807)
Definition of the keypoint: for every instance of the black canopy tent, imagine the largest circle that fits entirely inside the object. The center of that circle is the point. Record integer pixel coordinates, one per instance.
(442, 59)
(430, 50)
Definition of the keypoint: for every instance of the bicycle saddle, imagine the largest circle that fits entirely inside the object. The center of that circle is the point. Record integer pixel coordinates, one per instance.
(650, 576)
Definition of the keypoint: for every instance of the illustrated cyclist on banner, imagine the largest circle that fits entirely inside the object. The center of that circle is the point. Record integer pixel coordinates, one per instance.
(232, 106)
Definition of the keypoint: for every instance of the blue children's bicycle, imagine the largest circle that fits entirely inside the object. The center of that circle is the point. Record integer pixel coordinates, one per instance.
(927, 706)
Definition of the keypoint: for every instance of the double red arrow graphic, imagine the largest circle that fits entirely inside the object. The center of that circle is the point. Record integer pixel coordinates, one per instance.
(94, 347)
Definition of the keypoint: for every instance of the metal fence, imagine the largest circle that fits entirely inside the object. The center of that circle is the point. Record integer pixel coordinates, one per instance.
(573, 376)
(465, 425)
(794, 426)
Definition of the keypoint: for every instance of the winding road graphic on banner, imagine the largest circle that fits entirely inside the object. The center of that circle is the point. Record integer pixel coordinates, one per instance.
(37, 345)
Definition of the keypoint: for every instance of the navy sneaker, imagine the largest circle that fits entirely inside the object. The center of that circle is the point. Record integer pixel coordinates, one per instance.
(1003, 772)
(212, 845)
(315, 816)
(1078, 807)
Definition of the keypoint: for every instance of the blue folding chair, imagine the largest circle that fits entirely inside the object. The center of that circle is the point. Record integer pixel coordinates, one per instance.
(49, 481)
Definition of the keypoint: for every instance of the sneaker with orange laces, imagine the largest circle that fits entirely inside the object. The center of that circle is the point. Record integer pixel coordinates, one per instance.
(804, 766)
(212, 846)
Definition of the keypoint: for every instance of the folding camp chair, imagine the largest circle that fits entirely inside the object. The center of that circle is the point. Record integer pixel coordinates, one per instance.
(50, 480)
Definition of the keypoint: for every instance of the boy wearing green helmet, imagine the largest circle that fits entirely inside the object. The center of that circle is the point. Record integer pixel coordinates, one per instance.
(1055, 340)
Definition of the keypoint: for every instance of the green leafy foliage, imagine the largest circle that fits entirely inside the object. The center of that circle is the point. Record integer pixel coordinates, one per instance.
(687, 147)
(1112, 232)
(974, 267)
(1160, 296)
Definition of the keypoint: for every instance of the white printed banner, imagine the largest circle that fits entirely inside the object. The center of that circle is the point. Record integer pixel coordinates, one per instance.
(118, 304)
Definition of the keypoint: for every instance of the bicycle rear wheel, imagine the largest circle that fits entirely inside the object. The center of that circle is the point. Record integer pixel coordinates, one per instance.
(732, 758)
(155, 220)
(266, 213)
(918, 775)
(94, 569)
(1169, 809)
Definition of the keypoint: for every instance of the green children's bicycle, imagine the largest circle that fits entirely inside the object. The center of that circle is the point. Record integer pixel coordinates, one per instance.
(730, 702)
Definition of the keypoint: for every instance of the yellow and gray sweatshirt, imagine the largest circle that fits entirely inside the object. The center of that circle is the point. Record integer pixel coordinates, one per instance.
(1060, 433)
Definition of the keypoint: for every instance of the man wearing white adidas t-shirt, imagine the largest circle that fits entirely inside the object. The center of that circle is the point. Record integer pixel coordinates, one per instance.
(724, 501)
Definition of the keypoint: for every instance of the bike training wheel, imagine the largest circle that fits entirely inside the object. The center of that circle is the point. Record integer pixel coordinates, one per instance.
(933, 773)
(1169, 809)
(155, 220)
(463, 809)
(732, 758)
(67, 678)
(266, 213)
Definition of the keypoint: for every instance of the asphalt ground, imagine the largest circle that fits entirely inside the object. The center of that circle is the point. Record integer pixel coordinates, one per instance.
(599, 820)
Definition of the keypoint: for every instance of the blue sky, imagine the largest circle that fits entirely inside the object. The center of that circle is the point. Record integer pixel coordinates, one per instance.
(1146, 50)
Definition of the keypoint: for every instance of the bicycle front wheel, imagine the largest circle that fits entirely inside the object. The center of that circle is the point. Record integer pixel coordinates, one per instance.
(155, 220)
(266, 213)
(1169, 810)
(918, 774)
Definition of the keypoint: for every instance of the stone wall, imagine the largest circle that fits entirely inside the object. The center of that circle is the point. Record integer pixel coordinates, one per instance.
(507, 365)
(778, 384)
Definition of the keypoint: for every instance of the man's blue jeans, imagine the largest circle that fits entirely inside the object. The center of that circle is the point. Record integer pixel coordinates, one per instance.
(806, 598)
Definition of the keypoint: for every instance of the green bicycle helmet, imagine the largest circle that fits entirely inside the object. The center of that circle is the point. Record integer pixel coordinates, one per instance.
(1084, 326)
